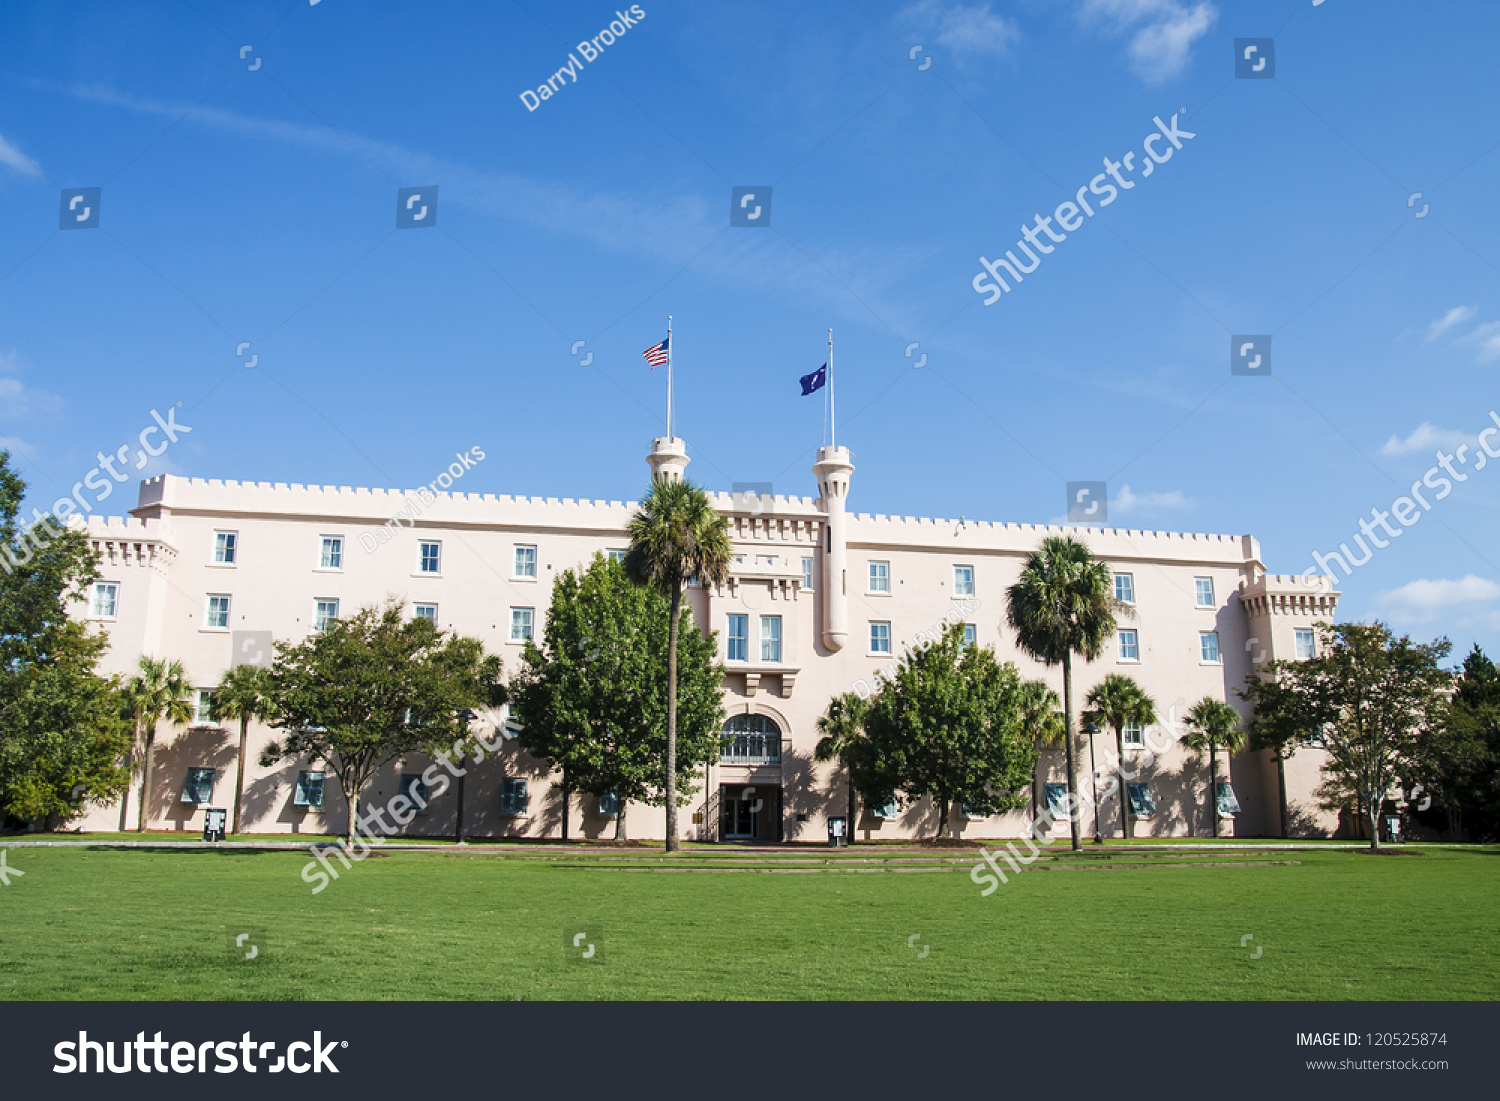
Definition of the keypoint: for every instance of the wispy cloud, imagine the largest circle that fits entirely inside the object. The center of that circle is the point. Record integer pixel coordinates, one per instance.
(17, 400)
(965, 29)
(1162, 31)
(1456, 316)
(1426, 598)
(1425, 437)
(16, 160)
(1487, 336)
(17, 446)
(1129, 502)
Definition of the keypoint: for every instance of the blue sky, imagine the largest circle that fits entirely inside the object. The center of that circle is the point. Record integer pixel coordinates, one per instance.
(258, 205)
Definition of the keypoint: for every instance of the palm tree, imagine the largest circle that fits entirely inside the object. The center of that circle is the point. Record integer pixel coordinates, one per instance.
(244, 694)
(1213, 723)
(1118, 702)
(1063, 605)
(675, 535)
(1041, 713)
(842, 727)
(159, 691)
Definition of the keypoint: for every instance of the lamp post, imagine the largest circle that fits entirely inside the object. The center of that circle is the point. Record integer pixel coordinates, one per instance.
(1091, 729)
(467, 716)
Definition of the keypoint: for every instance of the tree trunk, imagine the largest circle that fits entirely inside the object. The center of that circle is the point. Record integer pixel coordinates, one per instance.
(146, 777)
(1036, 791)
(672, 842)
(239, 779)
(1073, 816)
(1120, 776)
(620, 820)
(942, 802)
(1372, 812)
(352, 801)
(848, 812)
(567, 797)
(1213, 786)
(1286, 813)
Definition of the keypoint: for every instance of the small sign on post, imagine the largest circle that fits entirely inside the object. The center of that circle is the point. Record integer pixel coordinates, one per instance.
(837, 831)
(213, 824)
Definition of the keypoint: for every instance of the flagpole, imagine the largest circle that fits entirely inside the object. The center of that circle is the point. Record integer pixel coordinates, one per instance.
(669, 376)
(833, 430)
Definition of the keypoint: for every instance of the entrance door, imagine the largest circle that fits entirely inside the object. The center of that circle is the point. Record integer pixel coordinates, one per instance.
(741, 815)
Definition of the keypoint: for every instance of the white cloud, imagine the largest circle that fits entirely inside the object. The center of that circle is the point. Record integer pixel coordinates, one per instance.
(17, 400)
(961, 28)
(1456, 316)
(1164, 31)
(1129, 501)
(16, 160)
(1487, 336)
(17, 446)
(1425, 437)
(1424, 598)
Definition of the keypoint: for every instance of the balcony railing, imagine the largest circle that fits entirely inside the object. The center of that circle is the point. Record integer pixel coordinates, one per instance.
(751, 749)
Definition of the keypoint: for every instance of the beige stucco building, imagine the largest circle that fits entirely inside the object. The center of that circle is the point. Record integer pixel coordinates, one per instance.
(819, 600)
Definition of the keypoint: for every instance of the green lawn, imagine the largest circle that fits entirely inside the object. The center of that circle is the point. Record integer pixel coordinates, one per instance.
(107, 924)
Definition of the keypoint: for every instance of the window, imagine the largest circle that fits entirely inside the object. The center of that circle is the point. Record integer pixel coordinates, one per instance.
(887, 810)
(216, 616)
(971, 634)
(880, 636)
(807, 574)
(414, 789)
(522, 624)
(324, 613)
(199, 789)
(1057, 799)
(1315, 737)
(1224, 797)
(1130, 645)
(749, 740)
(1208, 646)
(616, 556)
(1203, 591)
(973, 813)
(770, 638)
(963, 580)
(739, 638)
(1307, 645)
(1135, 735)
(880, 577)
(1142, 805)
(224, 546)
(513, 797)
(104, 600)
(424, 611)
(609, 804)
(432, 558)
(525, 561)
(203, 710)
(331, 554)
(1125, 588)
(309, 790)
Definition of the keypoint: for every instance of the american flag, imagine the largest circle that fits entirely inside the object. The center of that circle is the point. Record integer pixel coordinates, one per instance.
(657, 354)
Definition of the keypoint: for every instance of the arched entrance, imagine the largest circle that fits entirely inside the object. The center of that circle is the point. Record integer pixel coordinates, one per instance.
(750, 779)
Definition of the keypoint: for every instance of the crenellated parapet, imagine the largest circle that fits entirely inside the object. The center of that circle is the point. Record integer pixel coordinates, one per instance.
(125, 541)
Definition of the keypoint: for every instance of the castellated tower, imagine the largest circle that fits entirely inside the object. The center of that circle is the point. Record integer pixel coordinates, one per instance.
(832, 470)
(668, 459)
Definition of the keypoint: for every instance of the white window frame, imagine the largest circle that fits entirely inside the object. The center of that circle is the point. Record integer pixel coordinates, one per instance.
(203, 701)
(881, 575)
(971, 634)
(1311, 637)
(227, 542)
(963, 586)
(1134, 735)
(416, 610)
(615, 554)
(336, 565)
(508, 793)
(519, 562)
(320, 627)
(213, 778)
(1129, 579)
(522, 625)
(299, 789)
(422, 570)
(730, 638)
(1203, 637)
(809, 566)
(113, 587)
(209, 613)
(875, 627)
(1135, 644)
(773, 640)
(1198, 601)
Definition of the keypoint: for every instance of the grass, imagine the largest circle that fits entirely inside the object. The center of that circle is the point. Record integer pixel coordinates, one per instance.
(150, 924)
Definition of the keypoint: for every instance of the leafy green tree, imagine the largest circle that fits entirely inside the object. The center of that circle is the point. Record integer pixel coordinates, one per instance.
(1063, 604)
(1458, 765)
(842, 726)
(676, 535)
(1118, 702)
(1283, 722)
(372, 687)
(160, 690)
(593, 697)
(1213, 723)
(244, 693)
(948, 725)
(1041, 717)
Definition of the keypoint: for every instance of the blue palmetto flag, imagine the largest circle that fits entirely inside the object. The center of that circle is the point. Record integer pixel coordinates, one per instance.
(814, 381)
